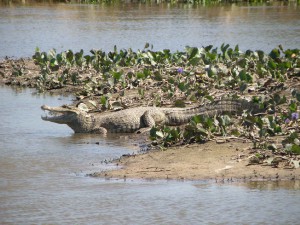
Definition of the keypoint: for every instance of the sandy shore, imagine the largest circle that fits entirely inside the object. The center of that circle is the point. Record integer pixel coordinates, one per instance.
(226, 161)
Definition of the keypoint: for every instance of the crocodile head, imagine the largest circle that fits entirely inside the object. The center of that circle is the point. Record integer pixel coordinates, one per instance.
(72, 116)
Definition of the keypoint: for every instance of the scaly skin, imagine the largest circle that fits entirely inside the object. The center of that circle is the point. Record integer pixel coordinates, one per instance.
(134, 119)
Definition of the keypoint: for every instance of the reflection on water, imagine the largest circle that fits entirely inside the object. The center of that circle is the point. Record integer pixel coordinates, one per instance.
(42, 167)
(172, 26)
(274, 185)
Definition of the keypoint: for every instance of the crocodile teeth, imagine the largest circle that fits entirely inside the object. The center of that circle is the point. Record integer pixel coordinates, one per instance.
(48, 114)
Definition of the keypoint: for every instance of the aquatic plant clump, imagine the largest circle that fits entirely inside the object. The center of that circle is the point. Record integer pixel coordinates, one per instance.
(125, 78)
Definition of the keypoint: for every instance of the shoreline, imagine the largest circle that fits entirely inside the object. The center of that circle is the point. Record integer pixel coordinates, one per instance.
(198, 162)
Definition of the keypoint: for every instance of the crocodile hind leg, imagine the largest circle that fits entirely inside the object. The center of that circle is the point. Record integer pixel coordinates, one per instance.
(151, 118)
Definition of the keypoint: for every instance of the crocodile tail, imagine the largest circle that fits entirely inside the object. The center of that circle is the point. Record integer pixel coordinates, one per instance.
(231, 106)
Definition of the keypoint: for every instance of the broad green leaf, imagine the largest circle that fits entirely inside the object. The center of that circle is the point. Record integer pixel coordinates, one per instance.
(272, 64)
(70, 56)
(275, 53)
(295, 149)
(103, 100)
(140, 75)
(209, 123)
(208, 48)
(259, 122)
(153, 132)
(285, 65)
(244, 76)
(197, 119)
(261, 55)
(175, 133)
(224, 48)
(192, 52)
(237, 49)
(117, 75)
(194, 61)
(293, 107)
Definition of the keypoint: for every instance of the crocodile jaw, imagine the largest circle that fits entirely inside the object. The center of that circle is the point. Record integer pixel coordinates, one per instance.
(61, 115)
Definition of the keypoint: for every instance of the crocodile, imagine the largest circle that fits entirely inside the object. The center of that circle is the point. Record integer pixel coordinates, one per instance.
(139, 118)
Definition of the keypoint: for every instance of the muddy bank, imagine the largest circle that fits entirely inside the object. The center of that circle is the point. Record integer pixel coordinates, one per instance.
(221, 162)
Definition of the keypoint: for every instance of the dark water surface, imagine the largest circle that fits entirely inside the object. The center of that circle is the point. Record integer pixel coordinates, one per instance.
(42, 167)
(75, 26)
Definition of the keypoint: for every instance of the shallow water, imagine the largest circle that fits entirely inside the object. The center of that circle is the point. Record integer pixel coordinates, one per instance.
(42, 168)
(74, 26)
(43, 165)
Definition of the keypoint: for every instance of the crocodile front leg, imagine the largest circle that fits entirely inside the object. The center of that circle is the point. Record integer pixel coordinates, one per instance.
(99, 130)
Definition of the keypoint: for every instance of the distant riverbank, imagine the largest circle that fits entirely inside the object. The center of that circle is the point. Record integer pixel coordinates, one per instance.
(136, 1)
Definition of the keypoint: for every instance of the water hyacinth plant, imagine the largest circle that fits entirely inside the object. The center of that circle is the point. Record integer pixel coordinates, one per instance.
(126, 78)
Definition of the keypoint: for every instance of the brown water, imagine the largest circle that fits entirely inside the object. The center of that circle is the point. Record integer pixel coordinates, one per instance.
(42, 180)
(43, 165)
(75, 26)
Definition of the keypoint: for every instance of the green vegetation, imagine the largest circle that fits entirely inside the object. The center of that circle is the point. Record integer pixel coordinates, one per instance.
(194, 76)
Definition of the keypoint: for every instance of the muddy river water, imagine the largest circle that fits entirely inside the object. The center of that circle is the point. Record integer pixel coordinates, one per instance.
(63, 26)
(42, 180)
(43, 165)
